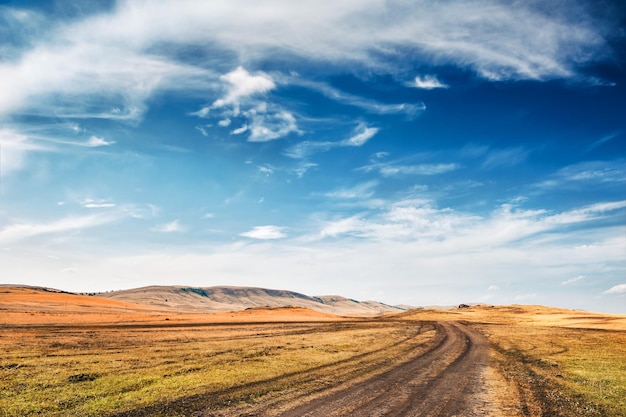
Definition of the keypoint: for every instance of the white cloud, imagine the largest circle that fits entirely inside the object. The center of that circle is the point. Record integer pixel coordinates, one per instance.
(307, 148)
(421, 221)
(411, 250)
(239, 130)
(264, 121)
(361, 135)
(497, 158)
(350, 225)
(588, 172)
(242, 84)
(266, 169)
(171, 227)
(428, 82)
(76, 79)
(617, 289)
(202, 131)
(573, 280)
(302, 168)
(587, 213)
(13, 149)
(266, 127)
(369, 105)
(265, 233)
(390, 170)
(498, 40)
(364, 190)
(20, 231)
(95, 141)
(65, 68)
(97, 203)
(399, 168)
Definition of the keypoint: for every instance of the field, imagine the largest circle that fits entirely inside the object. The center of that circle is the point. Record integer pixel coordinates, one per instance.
(70, 355)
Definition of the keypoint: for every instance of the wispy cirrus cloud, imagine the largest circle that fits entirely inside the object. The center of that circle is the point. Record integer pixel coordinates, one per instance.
(602, 141)
(269, 232)
(421, 219)
(497, 158)
(420, 249)
(96, 142)
(419, 169)
(97, 203)
(594, 171)
(496, 39)
(14, 147)
(272, 125)
(172, 227)
(19, 231)
(91, 84)
(360, 135)
(359, 191)
(108, 65)
(369, 105)
(573, 280)
(396, 168)
(600, 173)
(587, 213)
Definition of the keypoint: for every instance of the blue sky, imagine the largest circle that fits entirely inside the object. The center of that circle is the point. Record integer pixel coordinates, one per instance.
(414, 152)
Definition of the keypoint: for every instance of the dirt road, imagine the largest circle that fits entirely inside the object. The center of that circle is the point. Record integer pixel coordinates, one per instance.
(444, 381)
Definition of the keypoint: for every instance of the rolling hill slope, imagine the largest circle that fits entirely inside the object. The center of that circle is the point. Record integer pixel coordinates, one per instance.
(226, 298)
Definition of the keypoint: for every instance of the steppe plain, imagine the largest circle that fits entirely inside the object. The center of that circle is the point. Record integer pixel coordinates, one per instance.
(64, 354)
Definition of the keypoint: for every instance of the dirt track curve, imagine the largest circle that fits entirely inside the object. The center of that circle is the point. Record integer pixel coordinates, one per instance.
(442, 382)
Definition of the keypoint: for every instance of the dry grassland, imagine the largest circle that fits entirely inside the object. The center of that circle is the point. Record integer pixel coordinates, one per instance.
(66, 355)
(550, 362)
(175, 364)
(93, 371)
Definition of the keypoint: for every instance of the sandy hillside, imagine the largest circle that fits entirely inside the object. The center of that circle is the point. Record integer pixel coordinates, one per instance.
(21, 305)
(240, 298)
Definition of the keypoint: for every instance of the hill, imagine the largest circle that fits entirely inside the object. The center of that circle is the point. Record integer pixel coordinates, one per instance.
(22, 305)
(225, 298)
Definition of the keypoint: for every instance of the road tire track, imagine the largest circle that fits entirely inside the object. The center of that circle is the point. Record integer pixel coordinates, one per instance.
(441, 382)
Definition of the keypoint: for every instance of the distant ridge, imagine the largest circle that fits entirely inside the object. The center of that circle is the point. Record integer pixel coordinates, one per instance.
(226, 298)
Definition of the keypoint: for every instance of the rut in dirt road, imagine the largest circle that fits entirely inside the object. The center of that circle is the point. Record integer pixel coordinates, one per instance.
(439, 383)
